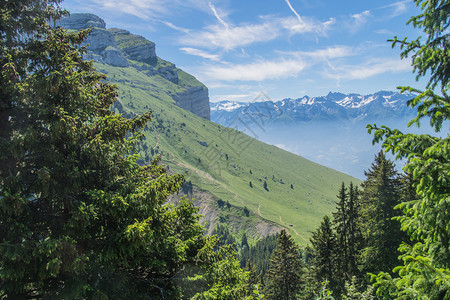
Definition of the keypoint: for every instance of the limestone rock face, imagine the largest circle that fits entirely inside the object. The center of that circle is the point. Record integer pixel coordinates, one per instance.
(99, 40)
(81, 21)
(134, 46)
(169, 73)
(112, 56)
(195, 100)
(120, 48)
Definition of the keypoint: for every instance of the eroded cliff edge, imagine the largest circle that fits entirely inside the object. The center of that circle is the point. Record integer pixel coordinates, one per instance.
(120, 48)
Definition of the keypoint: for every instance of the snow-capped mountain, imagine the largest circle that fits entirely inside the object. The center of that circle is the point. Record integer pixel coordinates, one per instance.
(330, 130)
(334, 106)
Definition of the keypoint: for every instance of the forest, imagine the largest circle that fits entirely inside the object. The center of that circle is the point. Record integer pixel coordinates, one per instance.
(80, 218)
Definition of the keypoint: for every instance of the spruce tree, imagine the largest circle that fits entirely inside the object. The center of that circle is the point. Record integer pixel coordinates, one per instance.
(324, 256)
(348, 234)
(283, 279)
(425, 271)
(340, 221)
(355, 239)
(78, 217)
(380, 194)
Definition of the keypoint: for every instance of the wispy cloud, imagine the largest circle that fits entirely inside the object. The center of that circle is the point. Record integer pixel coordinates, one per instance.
(327, 53)
(369, 69)
(397, 8)
(148, 9)
(306, 26)
(384, 32)
(256, 71)
(231, 37)
(201, 53)
(359, 20)
(144, 9)
(221, 21)
(215, 36)
(175, 27)
(294, 11)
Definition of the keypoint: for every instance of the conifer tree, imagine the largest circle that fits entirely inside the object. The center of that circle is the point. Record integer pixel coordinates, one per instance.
(324, 255)
(425, 272)
(348, 235)
(78, 217)
(283, 279)
(382, 234)
(355, 239)
(340, 220)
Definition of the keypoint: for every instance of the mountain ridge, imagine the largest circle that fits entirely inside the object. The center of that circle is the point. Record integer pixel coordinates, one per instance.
(332, 107)
(120, 48)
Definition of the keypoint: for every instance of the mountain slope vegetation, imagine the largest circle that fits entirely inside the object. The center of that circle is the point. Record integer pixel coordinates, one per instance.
(237, 180)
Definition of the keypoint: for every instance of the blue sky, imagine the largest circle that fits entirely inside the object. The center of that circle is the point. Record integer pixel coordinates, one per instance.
(284, 48)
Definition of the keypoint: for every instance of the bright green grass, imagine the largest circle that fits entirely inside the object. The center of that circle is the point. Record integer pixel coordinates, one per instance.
(176, 134)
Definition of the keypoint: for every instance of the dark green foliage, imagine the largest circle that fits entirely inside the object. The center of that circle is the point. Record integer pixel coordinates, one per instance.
(187, 187)
(224, 236)
(283, 279)
(244, 242)
(381, 192)
(259, 254)
(78, 217)
(425, 273)
(220, 203)
(347, 224)
(265, 186)
(324, 256)
(225, 279)
(246, 211)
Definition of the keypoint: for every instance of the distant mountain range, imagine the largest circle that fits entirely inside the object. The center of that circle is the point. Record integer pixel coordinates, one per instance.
(332, 107)
(330, 130)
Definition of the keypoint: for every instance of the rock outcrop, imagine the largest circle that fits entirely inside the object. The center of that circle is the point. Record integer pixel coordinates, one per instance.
(195, 99)
(120, 48)
(135, 47)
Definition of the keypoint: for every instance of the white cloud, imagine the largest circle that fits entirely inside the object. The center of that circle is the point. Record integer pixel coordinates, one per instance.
(177, 28)
(235, 36)
(231, 37)
(359, 20)
(306, 25)
(257, 71)
(216, 14)
(384, 32)
(148, 9)
(327, 53)
(397, 8)
(369, 69)
(201, 53)
(294, 11)
(299, 25)
(144, 9)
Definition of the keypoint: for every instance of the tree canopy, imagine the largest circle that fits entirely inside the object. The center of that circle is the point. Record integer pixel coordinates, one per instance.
(425, 272)
(78, 216)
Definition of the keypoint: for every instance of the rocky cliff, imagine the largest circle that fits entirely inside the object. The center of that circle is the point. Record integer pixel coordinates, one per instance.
(120, 48)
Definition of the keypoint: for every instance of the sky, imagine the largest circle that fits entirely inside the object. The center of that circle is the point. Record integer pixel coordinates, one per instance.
(241, 49)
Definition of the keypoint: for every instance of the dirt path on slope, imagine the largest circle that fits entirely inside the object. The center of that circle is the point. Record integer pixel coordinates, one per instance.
(259, 212)
(295, 231)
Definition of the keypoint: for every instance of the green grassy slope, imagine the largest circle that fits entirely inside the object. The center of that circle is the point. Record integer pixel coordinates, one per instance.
(223, 161)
